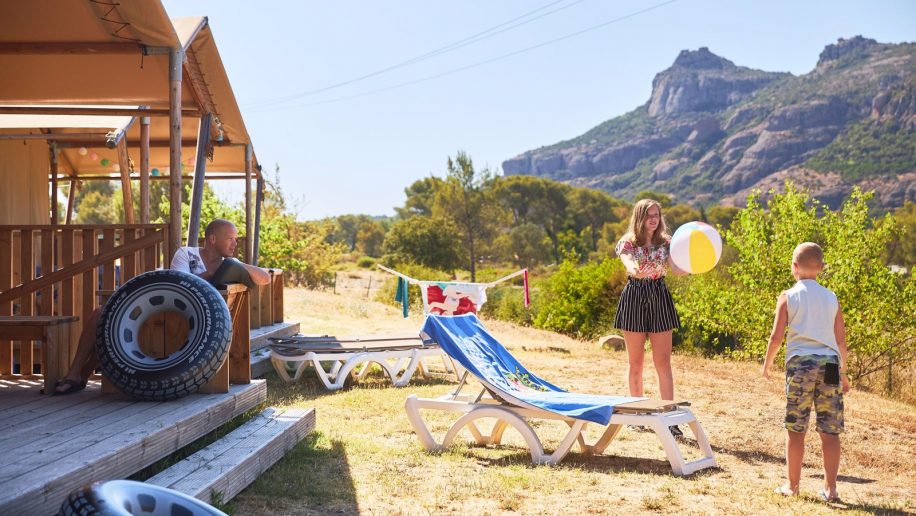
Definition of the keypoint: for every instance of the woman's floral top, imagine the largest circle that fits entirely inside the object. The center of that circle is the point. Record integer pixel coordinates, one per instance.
(652, 259)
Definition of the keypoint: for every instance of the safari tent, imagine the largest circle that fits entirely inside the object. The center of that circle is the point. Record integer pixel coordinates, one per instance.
(102, 91)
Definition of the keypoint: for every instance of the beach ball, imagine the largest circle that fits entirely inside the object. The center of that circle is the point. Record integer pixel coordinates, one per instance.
(696, 247)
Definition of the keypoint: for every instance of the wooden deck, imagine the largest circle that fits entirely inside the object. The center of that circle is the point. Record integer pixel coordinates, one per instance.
(50, 445)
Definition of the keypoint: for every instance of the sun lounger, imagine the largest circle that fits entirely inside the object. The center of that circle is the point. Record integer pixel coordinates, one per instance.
(512, 395)
(399, 356)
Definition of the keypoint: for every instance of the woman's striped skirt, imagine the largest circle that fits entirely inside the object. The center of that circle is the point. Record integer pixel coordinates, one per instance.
(646, 306)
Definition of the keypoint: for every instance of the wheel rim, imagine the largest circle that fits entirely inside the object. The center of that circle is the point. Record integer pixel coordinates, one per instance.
(142, 304)
(140, 498)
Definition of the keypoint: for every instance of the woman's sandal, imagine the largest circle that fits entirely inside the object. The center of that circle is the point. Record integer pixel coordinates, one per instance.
(72, 386)
(825, 496)
(785, 491)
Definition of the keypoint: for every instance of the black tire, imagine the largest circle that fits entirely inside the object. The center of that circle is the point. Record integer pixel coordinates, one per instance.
(126, 497)
(182, 372)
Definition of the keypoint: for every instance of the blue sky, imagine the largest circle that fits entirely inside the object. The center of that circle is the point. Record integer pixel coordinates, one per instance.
(357, 155)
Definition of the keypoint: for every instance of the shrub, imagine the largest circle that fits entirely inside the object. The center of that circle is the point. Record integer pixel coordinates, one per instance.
(581, 300)
(734, 306)
(365, 262)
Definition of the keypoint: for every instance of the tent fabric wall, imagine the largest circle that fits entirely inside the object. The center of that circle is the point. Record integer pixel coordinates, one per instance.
(24, 196)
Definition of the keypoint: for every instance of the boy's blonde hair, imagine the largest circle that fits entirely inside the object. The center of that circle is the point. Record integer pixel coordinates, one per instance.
(638, 220)
(808, 255)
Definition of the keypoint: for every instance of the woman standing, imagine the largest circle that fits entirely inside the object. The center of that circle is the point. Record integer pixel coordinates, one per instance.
(646, 309)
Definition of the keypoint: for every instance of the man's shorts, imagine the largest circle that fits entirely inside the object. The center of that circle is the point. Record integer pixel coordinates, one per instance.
(805, 388)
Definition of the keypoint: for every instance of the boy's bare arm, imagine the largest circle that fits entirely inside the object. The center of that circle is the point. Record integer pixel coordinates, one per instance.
(780, 320)
(839, 331)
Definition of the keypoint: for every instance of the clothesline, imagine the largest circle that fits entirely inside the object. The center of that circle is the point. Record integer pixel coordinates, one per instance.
(450, 297)
(418, 282)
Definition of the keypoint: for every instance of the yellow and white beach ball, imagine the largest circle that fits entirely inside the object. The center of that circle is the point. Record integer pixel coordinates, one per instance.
(696, 247)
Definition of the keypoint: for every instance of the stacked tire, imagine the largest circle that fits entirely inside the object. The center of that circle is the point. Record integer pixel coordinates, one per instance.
(192, 364)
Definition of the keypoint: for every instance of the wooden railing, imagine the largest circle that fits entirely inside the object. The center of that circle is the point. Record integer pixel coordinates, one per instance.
(58, 270)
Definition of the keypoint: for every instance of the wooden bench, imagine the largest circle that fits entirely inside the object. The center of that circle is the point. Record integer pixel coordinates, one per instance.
(58, 335)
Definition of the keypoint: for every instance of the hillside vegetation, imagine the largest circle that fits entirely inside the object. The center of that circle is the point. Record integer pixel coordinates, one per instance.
(712, 131)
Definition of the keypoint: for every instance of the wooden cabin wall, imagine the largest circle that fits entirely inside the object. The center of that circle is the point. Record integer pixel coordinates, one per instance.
(24, 191)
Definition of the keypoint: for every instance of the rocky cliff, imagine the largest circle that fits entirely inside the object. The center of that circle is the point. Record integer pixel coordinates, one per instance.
(713, 131)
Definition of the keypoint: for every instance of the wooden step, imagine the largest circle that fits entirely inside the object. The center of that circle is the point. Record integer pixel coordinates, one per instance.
(260, 353)
(226, 467)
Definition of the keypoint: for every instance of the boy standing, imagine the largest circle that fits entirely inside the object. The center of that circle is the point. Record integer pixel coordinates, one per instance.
(815, 366)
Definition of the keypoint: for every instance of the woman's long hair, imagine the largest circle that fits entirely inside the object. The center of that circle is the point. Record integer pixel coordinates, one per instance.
(638, 221)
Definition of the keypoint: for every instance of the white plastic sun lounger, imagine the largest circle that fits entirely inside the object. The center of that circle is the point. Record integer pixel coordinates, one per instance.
(337, 359)
(501, 401)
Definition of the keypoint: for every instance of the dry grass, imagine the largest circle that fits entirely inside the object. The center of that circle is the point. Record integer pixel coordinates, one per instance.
(364, 458)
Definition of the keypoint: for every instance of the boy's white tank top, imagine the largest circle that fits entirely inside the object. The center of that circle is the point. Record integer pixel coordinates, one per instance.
(812, 312)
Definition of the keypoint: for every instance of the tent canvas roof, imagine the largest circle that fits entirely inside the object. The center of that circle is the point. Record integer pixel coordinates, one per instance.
(110, 54)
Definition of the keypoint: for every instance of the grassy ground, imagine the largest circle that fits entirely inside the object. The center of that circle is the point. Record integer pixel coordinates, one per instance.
(364, 458)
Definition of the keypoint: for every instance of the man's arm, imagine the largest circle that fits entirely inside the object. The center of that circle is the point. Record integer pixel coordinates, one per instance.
(258, 275)
(780, 321)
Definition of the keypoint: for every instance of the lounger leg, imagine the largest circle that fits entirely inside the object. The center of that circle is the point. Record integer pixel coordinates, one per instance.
(575, 431)
(509, 418)
(495, 437)
(326, 377)
(404, 378)
(602, 443)
(411, 406)
(280, 368)
(675, 458)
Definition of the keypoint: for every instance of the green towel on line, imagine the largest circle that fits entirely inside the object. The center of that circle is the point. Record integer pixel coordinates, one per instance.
(401, 295)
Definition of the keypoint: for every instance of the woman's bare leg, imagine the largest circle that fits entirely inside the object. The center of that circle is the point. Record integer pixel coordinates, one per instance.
(661, 357)
(636, 351)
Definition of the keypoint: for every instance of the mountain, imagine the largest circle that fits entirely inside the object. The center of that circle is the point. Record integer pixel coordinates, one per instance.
(712, 131)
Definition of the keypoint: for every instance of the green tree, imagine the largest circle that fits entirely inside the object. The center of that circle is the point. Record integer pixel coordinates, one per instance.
(663, 199)
(427, 241)
(466, 200)
(94, 203)
(525, 245)
(591, 210)
(370, 237)
(902, 250)
(736, 301)
(421, 196)
(721, 216)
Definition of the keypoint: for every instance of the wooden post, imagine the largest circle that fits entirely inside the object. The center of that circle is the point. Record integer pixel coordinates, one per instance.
(124, 165)
(54, 172)
(197, 192)
(259, 199)
(144, 169)
(249, 167)
(71, 199)
(176, 57)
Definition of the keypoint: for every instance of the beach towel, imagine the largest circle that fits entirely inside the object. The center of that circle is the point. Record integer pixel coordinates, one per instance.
(465, 339)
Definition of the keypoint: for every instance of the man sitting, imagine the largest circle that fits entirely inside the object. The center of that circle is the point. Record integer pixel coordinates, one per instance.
(220, 243)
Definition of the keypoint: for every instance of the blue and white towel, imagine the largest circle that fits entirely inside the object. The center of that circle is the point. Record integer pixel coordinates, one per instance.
(465, 339)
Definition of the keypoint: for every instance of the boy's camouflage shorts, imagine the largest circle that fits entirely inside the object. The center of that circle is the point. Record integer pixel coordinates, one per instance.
(805, 388)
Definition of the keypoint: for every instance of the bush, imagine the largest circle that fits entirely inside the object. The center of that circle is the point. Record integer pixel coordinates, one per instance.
(365, 262)
(581, 300)
(507, 303)
(734, 306)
